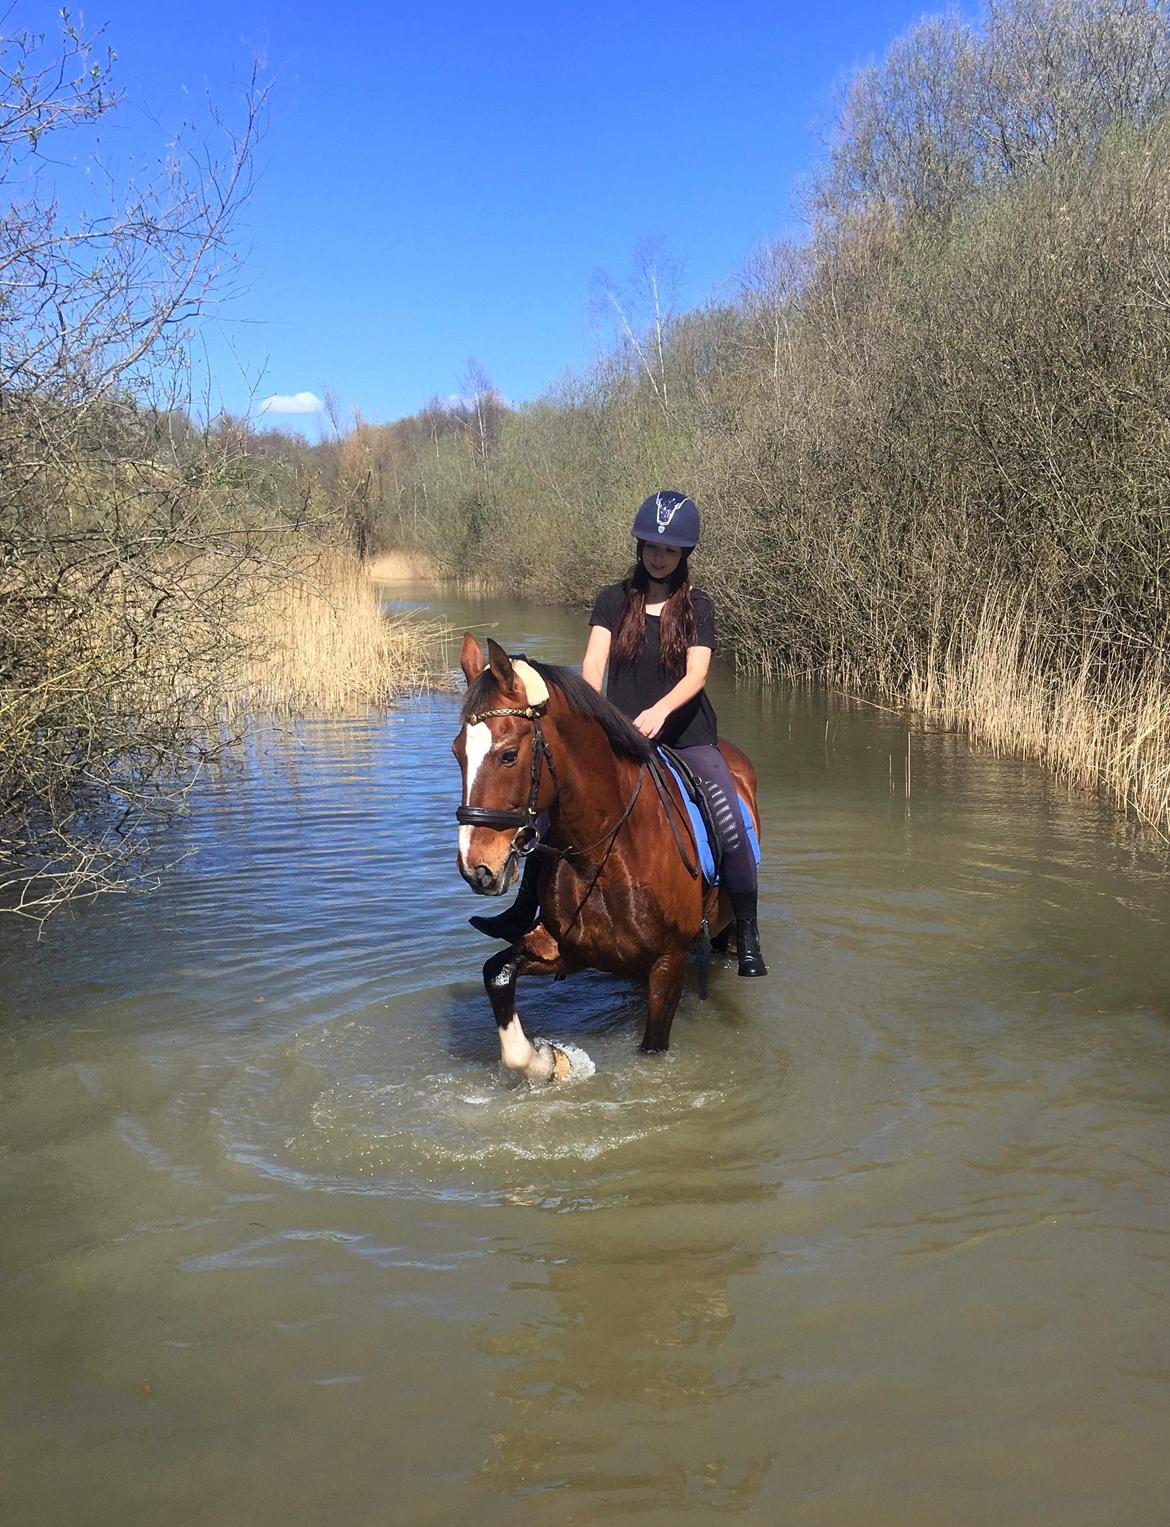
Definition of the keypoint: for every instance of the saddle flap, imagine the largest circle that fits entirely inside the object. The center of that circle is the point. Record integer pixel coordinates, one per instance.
(705, 812)
(687, 776)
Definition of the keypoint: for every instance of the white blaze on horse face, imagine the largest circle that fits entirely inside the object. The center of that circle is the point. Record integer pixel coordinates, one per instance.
(477, 742)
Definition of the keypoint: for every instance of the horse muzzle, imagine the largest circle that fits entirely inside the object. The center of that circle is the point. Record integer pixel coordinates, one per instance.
(485, 881)
(480, 876)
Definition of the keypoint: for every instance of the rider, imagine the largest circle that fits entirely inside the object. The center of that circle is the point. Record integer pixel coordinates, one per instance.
(657, 634)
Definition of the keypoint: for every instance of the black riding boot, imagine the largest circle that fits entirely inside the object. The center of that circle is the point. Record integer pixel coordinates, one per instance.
(747, 933)
(512, 924)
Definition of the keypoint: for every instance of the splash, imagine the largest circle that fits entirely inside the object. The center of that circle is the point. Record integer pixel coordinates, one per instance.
(581, 1067)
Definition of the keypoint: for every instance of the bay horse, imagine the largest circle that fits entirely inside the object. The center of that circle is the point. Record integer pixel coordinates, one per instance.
(619, 885)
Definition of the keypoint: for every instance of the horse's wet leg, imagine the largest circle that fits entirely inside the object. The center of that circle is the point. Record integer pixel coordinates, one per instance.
(499, 977)
(666, 982)
(518, 1053)
(539, 954)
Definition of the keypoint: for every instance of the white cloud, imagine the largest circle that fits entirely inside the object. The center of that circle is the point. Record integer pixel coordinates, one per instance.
(292, 403)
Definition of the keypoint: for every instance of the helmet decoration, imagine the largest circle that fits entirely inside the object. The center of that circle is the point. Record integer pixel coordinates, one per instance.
(667, 518)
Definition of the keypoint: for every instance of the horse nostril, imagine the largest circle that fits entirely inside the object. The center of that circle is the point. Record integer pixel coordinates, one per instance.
(484, 877)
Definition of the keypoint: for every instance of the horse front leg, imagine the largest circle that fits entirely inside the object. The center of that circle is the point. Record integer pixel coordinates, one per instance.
(666, 983)
(543, 1062)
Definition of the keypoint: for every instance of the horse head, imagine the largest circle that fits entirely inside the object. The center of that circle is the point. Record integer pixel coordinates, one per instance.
(508, 773)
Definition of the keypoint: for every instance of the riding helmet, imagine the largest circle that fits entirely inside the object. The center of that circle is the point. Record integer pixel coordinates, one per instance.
(667, 518)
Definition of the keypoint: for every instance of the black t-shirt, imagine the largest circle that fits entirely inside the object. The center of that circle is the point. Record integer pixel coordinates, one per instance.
(634, 687)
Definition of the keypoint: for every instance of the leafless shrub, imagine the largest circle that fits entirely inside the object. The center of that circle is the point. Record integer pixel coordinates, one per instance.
(125, 536)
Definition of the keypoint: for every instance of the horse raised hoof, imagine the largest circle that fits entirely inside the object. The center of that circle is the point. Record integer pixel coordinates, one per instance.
(537, 1060)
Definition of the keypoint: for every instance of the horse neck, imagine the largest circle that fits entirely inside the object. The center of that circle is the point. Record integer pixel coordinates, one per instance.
(595, 782)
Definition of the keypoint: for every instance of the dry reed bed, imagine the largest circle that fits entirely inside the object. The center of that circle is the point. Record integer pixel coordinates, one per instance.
(402, 565)
(324, 643)
(1100, 727)
(164, 687)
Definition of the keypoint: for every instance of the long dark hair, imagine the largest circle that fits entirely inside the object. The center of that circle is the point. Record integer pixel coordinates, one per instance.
(680, 628)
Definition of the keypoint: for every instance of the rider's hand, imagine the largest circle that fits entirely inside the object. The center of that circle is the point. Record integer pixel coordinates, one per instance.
(650, 722)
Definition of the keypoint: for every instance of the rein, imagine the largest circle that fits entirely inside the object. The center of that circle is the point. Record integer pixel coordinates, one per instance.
(564, 853)
(673, 811)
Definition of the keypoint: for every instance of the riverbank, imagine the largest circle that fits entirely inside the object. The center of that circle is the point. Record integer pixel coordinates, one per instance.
(1102, 728)
(167, 672)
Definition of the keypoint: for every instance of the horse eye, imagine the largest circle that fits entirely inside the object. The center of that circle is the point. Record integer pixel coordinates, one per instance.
(509, 756)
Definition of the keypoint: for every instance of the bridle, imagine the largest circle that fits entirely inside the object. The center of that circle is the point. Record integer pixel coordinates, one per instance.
(526, 838)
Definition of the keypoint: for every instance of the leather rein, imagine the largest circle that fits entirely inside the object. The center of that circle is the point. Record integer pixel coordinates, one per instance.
(526, 838)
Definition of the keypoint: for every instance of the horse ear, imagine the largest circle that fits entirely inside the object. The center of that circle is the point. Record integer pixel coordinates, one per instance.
(471, 658)
(501, 666)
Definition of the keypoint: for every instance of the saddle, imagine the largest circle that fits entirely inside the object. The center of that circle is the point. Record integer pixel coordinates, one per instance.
(698, 804)
(704, 816)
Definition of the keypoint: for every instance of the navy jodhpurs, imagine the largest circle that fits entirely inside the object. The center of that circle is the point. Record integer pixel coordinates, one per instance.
(739, 863)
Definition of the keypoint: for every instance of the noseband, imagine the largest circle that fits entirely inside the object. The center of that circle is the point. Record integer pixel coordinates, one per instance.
(527, 835)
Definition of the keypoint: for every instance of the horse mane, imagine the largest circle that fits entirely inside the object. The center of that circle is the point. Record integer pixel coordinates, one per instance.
(582, 698)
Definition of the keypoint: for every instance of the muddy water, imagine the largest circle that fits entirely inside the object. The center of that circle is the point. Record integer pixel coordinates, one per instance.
(884, 1239)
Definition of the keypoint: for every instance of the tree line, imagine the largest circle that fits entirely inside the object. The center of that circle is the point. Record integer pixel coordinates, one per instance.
(933, 430)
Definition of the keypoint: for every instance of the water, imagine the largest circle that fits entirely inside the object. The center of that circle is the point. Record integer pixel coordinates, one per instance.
(883, 1239)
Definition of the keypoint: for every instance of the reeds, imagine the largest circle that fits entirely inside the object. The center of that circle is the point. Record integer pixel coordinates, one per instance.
(402, 565)
(324, 643)
(1101, 724)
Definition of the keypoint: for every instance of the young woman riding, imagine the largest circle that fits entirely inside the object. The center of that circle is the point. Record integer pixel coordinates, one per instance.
(657, 634)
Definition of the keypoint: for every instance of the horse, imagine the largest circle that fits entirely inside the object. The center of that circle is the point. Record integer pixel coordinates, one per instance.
(619, 884)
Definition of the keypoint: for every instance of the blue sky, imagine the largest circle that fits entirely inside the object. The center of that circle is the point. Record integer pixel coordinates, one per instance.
(443, 183)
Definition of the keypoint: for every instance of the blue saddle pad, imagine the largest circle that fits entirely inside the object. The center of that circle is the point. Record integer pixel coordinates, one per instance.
(699, 828)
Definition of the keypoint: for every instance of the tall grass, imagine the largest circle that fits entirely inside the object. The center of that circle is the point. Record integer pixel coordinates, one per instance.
(323, 642)
(1099, 725)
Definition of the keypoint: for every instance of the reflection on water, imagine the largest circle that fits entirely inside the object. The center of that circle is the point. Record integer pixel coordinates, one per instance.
(883, 1238)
